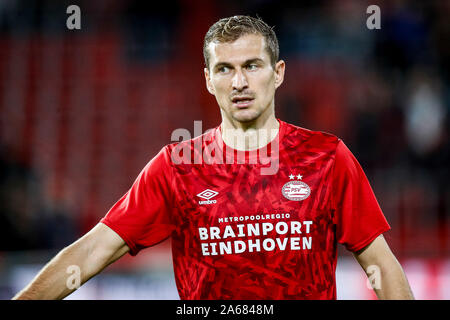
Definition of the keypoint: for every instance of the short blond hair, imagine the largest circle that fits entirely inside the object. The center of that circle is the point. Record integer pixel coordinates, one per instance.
(232, 28)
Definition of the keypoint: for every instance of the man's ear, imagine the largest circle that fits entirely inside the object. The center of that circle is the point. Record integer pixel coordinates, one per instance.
(279, 73)
(208, 81)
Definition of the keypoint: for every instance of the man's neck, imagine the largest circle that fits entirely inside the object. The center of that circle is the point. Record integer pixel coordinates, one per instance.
(249, 136)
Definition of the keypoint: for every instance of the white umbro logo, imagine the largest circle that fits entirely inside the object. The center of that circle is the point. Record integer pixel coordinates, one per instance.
(207, 195)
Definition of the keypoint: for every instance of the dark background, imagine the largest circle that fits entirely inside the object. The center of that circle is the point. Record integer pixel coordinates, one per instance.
(83, 111)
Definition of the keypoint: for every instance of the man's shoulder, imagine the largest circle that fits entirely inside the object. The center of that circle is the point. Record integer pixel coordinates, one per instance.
(308, 137)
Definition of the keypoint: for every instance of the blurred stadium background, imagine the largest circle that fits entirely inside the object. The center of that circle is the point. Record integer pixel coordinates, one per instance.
(82, 111)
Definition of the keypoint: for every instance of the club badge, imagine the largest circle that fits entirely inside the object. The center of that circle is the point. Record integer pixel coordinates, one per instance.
(296, 190)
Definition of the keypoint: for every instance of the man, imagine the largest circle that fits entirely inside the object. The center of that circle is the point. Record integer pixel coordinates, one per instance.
(238, 233)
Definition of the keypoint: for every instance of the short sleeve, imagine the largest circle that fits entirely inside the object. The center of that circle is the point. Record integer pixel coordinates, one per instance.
(142, 216)
(357, 214)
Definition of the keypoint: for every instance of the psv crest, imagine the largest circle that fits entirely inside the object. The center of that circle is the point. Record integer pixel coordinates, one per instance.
(296, 190)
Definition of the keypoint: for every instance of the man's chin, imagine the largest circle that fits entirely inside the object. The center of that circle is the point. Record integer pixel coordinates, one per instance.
(246, 116)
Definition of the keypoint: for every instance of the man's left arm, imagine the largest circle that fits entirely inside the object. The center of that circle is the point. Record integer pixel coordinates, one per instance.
(393, 284)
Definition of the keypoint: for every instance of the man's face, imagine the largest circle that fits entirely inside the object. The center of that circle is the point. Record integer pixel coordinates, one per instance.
(242, 78)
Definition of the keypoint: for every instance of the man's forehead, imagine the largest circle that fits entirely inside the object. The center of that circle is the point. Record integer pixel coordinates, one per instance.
(243, 48)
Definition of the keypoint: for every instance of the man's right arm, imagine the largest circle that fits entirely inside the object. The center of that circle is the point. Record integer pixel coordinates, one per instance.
(91, 254)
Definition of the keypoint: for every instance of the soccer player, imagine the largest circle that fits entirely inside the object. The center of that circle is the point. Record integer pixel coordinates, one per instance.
(255, 207)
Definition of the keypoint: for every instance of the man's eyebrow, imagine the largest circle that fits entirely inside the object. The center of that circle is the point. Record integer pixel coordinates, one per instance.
(249, 61)
(222, 64)
(246, 62)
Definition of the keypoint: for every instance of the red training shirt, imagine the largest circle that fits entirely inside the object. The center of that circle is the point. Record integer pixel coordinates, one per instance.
(239, 232)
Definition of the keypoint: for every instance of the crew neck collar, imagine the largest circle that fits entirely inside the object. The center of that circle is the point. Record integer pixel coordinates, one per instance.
(252, 154)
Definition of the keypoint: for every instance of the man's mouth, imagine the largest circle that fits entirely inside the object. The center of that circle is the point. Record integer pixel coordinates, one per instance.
(242, 101)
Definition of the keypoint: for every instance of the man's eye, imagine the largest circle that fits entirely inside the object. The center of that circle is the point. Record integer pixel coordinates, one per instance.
(252, 67)
(224, 69)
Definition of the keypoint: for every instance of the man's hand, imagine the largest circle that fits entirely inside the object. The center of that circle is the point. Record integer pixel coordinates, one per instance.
(86, 257)
(392, 283)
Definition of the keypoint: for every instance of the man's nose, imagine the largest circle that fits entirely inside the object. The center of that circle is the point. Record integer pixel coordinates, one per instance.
(239, 81)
